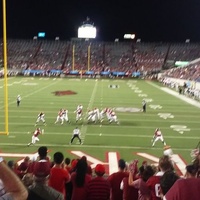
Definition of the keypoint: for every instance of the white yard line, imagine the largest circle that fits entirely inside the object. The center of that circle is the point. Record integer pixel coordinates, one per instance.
(90, 104)
(35, 92)
(96, 146)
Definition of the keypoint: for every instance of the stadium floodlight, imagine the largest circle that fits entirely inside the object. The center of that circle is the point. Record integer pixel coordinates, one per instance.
(129, 36)
(87, 31)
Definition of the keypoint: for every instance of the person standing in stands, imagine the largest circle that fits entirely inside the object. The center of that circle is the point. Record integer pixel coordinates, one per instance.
(98, 187)
(18, 100)
(80, 179)
(59, 176)
(153, 183)
(115, 180)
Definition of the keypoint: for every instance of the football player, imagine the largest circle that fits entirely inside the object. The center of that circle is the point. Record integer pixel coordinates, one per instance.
(79, 112)
(157, 136)
(60, 116)
(35, 135)
(40, 117)
(65, 115)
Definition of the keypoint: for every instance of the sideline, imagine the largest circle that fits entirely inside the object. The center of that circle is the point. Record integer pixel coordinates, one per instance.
(177, 95)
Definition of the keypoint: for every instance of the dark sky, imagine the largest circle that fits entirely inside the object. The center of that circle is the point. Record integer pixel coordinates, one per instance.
(150, 20)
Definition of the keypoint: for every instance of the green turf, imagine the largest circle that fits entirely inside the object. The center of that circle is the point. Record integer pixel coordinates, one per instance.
(133, 134)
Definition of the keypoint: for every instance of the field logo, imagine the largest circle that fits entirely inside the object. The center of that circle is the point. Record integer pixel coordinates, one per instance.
(123, 109)
(62, 93)
(165, 115)
(155, 107)
(180, 128)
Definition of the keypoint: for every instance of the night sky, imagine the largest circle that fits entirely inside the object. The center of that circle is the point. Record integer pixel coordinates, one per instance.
(150, 20)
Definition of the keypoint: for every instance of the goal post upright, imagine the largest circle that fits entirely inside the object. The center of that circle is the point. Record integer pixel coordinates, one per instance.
(5, 69)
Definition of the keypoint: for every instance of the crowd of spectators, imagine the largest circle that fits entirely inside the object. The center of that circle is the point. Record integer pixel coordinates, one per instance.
(66, 179)
(127, 57)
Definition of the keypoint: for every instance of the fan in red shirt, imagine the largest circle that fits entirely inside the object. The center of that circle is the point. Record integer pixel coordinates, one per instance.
(115, 180)
(59, 176)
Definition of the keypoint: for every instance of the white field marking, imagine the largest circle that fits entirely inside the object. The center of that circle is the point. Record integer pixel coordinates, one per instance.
(142, 95)
(176, 94)
(165, 115)
(150, 157)
(180, 128)
(32, 93)
(115, 135)
(91, 159)
(94, 146)
(148, 100)
(91, 102)
(112, 158)
(155, 107)
(179, 162)
(138, 91)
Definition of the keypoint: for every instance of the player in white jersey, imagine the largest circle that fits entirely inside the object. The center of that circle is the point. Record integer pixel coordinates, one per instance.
(157, 136)
(79, 112)
(40, 117)
(65, 115)
(113, 117)
(107, 112)
(97, 114)
(60, 117)
(91, 116)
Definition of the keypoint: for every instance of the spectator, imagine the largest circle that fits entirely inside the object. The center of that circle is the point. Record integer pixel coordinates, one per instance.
(191, 171)
(153, 183)
(68, 186)
(167, 181)
(79, 179)
(184, 189)
(59, 176)
(115, 180)
(24, 165)
(67, 164)
(145, 173)
(89, 169)
(98, 187)
(13, 186)
(39, 189)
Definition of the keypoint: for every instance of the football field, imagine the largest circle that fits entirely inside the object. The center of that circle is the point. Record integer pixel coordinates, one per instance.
(177, 119)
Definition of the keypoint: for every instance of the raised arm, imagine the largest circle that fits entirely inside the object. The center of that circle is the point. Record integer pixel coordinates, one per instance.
(12, 184)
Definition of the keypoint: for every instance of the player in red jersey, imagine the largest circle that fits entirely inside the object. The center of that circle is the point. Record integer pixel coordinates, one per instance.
(35, 135)
(60, 116)
(157, 136)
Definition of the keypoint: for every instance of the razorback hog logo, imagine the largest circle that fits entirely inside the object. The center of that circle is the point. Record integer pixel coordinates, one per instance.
(62, 93)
